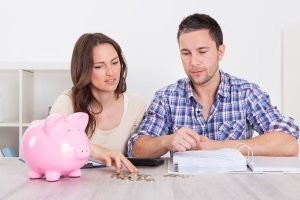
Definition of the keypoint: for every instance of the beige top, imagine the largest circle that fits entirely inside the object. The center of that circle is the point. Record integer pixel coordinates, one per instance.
(116, 138)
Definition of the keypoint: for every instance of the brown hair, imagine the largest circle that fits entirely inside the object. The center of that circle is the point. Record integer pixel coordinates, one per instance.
(81, 71)
(198, 21)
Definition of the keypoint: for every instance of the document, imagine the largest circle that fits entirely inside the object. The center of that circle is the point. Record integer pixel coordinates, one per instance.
(93, 164)
(274, 164)
(203, 161)
(230, 160)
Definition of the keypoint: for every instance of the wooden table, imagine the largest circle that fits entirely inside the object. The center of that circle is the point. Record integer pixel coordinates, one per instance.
(97, 184)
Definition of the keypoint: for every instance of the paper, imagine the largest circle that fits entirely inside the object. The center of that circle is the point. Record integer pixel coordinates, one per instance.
(93, 164)
(203, 161)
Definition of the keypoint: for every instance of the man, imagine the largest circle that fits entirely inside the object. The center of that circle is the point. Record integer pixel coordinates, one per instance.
(211, 109)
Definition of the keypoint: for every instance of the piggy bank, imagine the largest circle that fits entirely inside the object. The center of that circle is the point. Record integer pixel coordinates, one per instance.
(56, 146)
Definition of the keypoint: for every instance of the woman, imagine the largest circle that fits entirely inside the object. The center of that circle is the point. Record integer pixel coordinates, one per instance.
(98, 71)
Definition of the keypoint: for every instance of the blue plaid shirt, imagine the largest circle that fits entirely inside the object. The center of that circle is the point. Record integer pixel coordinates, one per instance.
(239, 108)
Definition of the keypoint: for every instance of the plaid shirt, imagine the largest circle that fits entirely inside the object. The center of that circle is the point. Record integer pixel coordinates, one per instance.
(239, 108)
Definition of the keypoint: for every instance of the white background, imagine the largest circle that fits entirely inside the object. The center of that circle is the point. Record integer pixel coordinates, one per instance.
(46, 31)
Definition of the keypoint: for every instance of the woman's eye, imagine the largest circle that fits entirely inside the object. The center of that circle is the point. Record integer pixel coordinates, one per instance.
(115, 63)
(98, 66)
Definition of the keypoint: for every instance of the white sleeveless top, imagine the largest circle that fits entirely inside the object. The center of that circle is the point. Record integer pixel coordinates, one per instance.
(116, 138)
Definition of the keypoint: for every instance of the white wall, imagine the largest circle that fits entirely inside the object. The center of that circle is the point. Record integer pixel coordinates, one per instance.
(291, 71)
(42, 31)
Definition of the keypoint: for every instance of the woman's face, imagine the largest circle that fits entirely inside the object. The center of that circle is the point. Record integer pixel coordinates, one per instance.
(106, 68)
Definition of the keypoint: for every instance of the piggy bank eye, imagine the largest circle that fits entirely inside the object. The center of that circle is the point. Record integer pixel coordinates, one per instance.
(69, 130)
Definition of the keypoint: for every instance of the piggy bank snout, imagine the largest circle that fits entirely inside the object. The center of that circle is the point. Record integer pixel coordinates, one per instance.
(83, 151)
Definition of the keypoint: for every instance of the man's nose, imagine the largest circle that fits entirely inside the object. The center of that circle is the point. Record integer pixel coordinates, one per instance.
(195, 60)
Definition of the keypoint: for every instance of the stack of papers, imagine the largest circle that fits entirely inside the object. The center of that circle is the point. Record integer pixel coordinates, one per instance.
(222, 160)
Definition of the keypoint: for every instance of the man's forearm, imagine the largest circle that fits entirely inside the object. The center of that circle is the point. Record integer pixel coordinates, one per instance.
(274, 144)
(268, 144)
(150, 147)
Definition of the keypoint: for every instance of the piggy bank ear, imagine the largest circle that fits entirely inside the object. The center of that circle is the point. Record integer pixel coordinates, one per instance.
(52, 120)
(81, 119)
(36, 122)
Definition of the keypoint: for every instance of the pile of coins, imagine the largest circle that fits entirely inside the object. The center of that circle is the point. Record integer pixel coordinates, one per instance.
(126, 176)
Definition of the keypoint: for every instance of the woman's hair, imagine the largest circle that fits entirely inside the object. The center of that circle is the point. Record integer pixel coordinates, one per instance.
(81, 71)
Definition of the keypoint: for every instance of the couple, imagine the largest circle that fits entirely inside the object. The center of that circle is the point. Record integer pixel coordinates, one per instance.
(209, 109)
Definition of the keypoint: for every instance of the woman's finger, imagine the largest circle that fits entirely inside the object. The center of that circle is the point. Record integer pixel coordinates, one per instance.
(130, 167)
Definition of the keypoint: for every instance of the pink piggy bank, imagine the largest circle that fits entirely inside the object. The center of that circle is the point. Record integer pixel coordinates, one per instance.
(56, 146)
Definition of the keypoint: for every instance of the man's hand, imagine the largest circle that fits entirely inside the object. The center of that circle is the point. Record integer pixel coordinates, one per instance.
(183, 139)
(206, 143)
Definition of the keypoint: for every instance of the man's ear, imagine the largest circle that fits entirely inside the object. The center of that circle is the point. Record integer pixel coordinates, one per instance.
(221, 51)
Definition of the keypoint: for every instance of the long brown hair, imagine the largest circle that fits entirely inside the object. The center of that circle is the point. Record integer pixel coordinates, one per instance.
(81, 71)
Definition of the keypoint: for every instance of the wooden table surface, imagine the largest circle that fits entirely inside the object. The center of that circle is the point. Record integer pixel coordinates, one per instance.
(97, 184)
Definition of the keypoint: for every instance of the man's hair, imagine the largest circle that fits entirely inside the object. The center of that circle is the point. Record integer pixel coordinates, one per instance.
(198, 21)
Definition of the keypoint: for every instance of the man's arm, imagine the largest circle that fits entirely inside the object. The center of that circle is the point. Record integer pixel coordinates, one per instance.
(153, 147)
(150, 147)
(278, 134)
(268, 144)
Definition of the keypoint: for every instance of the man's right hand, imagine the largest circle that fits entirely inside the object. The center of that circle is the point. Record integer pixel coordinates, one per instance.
(183, 139)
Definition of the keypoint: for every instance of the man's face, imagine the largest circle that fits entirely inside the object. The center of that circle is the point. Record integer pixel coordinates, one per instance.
(200, 56)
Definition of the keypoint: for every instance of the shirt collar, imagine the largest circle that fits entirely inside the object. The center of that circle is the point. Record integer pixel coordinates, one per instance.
(189, 90)
(223, 89)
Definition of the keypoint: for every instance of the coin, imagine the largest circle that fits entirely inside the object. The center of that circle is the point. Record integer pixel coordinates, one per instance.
(133, 176)
(176, 175)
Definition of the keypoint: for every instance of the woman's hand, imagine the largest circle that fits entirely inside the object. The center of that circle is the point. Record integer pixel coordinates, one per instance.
(111, 158)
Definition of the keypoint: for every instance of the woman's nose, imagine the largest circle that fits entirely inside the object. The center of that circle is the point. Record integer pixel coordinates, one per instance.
(109, 70)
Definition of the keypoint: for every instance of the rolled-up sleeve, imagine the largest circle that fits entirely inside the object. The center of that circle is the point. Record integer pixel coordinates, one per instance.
(287, 125)
(266, 118)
